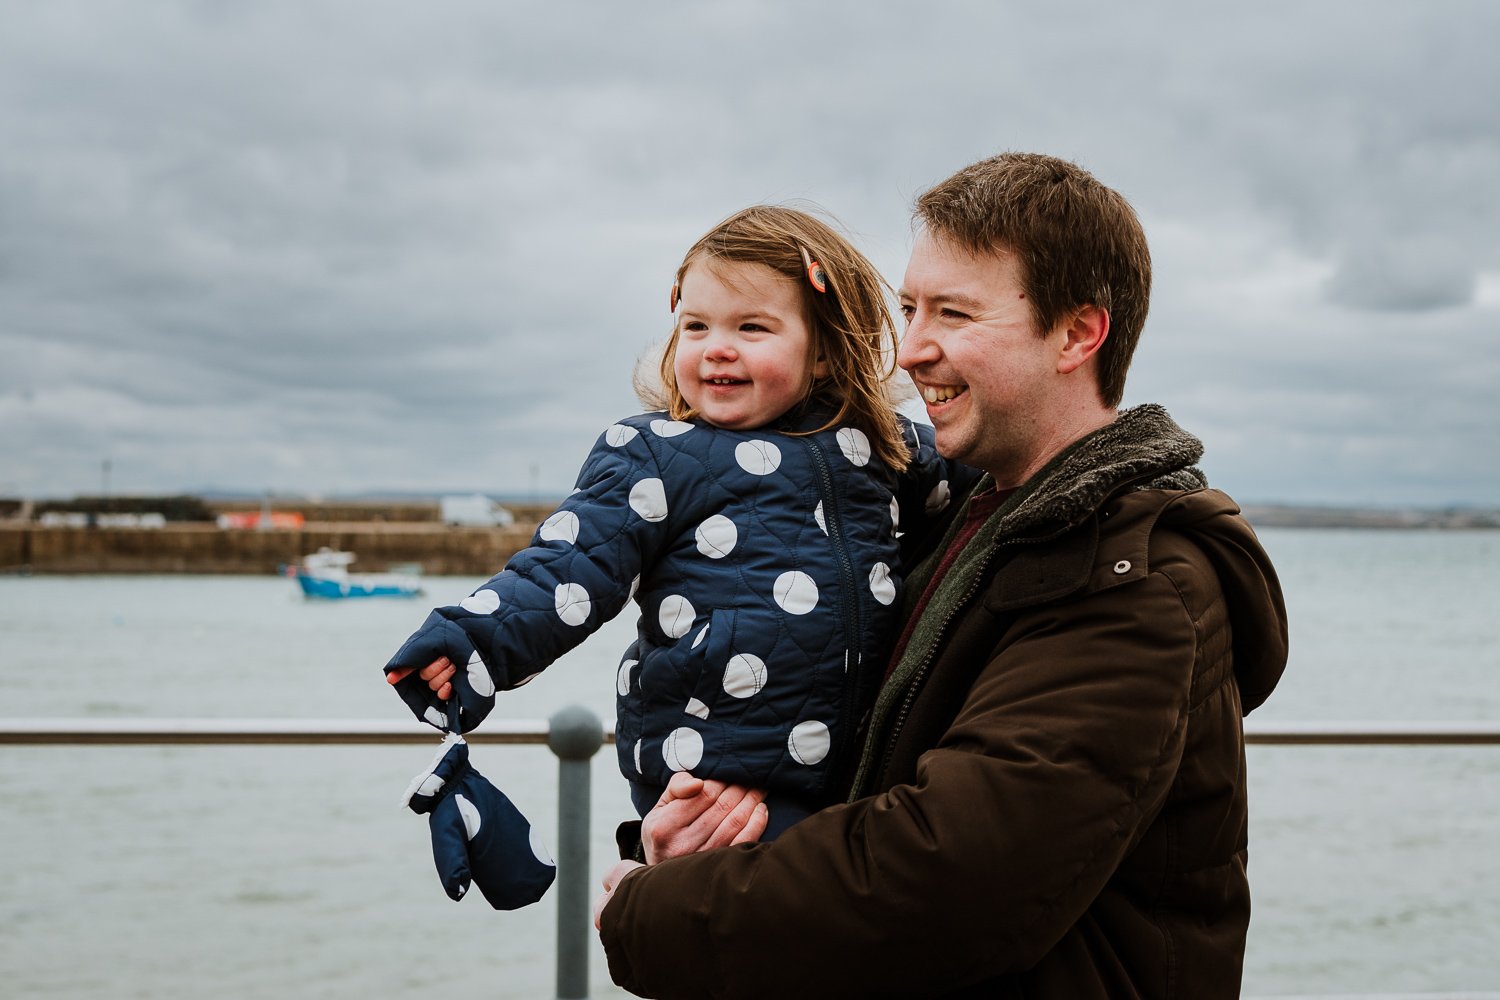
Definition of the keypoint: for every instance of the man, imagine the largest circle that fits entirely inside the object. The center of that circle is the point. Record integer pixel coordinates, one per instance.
(1051, 801)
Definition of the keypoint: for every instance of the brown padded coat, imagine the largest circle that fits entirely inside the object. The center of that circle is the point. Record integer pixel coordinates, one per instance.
(1052, 802)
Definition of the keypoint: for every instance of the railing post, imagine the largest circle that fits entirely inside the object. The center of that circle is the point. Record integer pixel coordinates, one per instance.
(575, 735)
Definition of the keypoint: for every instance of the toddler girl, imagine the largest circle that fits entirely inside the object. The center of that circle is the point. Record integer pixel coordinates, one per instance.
(753, 519)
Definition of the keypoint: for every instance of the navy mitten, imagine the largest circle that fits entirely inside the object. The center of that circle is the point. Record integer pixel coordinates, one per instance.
(478, 834)
(473, 686)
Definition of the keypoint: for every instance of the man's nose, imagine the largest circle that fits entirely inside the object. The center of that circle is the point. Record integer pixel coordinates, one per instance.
(917, 348)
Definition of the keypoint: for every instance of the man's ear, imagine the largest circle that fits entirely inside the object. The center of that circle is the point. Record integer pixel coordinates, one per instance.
(1084, 334)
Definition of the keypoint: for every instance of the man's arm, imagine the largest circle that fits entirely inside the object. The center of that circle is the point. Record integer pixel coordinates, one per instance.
(1061, 754)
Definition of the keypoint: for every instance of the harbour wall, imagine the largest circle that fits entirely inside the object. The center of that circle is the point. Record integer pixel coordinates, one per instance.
(441, 550)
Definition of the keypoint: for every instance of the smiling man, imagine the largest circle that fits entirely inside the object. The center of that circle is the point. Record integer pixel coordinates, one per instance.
(1051, 799)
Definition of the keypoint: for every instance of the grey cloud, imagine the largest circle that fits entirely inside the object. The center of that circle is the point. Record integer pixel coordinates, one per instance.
(333, 246)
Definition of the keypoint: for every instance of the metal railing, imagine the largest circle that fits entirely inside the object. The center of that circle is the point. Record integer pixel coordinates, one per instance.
(575, 734)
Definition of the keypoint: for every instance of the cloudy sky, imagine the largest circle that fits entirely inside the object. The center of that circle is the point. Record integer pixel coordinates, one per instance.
(333, 247)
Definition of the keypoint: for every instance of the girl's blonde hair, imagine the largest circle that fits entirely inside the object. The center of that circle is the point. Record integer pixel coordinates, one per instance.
(850, 323)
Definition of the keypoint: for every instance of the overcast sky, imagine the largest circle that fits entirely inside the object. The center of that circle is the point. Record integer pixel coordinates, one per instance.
(340, 247)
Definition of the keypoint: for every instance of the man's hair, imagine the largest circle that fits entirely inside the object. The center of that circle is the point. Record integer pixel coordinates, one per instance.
(1077, 243)
(850, 323)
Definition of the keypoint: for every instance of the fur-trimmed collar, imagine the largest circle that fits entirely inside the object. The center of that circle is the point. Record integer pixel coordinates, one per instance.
(1142, 448)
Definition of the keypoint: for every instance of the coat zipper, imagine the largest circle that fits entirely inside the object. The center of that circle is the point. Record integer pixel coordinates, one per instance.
(914, 685)
(852, 603)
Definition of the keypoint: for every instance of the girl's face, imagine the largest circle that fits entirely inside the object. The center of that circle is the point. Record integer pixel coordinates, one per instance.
(742, 344)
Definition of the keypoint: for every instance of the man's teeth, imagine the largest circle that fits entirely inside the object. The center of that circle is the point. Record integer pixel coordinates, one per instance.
(940, 393)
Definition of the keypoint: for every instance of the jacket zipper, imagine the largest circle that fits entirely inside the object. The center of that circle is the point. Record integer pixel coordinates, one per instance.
(914, 686)
(852, 604)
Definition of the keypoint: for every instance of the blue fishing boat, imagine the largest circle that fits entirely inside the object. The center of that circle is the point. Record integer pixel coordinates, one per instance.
(325, 574)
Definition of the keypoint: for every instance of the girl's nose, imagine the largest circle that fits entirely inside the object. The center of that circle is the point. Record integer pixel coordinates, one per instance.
(720, 349)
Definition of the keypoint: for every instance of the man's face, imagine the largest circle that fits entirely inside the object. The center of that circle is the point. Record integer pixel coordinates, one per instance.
(970, 346)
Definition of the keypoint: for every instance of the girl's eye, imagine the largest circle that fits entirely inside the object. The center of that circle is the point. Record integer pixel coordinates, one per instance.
(752, 328)
(694, 326)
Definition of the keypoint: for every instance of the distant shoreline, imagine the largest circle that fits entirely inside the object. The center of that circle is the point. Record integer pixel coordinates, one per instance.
(1289, 516)
(382, 535)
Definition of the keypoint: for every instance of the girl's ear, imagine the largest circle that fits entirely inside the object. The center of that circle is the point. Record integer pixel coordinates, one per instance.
(820, 367)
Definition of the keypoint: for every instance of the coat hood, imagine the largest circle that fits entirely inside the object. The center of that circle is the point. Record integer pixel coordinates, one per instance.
(1252, 593)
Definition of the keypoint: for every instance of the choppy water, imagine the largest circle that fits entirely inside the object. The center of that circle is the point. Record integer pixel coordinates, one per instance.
(289, 871)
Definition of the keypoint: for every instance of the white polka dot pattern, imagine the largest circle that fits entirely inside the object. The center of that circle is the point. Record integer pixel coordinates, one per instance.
(696, 708)
(669, 428)
(759, 458)
(818, 516)
(881, 585)
(716, 536)
(622, 677)
(470, 814)
(744, 675)
(676, 616)
(895, 516)
(702, 634)
(939, 497)
(809, 742)
(619, 435)
(481, 602)
(795, 592)
(648, 498)
(539, 850)
(560, 527)
(683, 749)
(479, 676)
(573, 603)
(855, 444)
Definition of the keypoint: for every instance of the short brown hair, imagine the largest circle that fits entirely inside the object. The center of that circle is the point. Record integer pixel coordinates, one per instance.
(1077, 242)
(850, 324)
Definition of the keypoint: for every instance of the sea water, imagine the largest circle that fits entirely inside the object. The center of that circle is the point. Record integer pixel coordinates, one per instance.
(264, 871)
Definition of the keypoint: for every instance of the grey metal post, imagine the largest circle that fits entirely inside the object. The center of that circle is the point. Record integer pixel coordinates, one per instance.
(575, 735)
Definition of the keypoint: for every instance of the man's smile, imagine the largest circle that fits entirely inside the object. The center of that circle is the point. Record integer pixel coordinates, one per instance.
(935, 394)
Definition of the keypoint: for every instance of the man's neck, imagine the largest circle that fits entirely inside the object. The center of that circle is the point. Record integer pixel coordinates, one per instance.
(1060, 432)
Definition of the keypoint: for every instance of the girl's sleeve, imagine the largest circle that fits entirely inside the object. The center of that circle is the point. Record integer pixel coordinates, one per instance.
(581, 568)
(933, 487)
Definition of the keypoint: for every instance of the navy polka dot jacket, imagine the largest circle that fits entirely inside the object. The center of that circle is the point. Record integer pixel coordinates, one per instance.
(767, 572)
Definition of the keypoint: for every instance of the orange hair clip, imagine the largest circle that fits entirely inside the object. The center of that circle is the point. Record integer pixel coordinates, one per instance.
(815, 273)
(675, 291)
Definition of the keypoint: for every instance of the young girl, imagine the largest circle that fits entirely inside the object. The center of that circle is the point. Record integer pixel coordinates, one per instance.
(753, 519)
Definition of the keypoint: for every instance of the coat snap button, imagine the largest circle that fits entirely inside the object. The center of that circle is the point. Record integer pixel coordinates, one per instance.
(1123, 566)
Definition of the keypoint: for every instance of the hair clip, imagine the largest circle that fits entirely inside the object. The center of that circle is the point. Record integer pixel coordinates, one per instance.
(676, 288)
(815, 272)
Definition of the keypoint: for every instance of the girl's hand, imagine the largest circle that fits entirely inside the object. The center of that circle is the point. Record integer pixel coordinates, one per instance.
(437, 675)
(697, 815)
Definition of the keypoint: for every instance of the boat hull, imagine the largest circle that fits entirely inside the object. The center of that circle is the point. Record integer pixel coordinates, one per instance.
(335, 588)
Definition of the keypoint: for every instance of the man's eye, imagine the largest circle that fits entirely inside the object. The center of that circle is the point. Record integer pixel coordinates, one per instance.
(954, 314)
(908, 312)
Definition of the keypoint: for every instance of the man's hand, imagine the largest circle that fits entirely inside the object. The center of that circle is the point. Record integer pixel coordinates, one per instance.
(611, 879)
(697, 815)
(437, 675)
